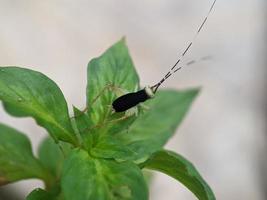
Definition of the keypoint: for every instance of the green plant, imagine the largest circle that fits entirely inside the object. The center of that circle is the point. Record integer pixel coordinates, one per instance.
(93, 156)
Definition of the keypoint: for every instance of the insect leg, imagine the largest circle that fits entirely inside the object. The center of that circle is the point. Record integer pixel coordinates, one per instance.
(107, 87)
(105, 123)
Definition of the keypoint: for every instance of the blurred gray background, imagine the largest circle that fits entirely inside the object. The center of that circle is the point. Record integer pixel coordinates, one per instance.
(224, 134)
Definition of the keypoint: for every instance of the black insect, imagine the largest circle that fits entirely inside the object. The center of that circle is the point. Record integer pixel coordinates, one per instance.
(130, 100)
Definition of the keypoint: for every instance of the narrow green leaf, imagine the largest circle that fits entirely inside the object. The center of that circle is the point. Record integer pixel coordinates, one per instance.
(86, 128)
(52, 155)
(16, 158)
(182, 170)
(82, 120)
(87, 178)
(40, 194)
(26, 92)
(114, 67)
(152, 129)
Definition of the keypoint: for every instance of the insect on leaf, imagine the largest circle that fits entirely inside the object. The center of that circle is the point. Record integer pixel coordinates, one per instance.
(152, 129)
(109, 76)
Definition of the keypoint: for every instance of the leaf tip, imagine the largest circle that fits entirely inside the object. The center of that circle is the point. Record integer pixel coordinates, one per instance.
(196, 91)
(123, 39)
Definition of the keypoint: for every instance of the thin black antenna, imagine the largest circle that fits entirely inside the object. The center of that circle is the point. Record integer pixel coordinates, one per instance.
(175, 67)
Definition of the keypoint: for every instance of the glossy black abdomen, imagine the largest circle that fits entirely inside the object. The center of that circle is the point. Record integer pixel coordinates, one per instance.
(129, 100)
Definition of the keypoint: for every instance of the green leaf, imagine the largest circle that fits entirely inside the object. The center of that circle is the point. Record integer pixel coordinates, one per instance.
(40, 194)
(116, 125)
(90, 133)
(85, 128)
(26, 92)
(149, 176)
(114, 67)
(82, 120)
(52, 155)
(182, 170)
(87, 178)
(100, 146)
(109, 147)
(16, 158)
(152, 129)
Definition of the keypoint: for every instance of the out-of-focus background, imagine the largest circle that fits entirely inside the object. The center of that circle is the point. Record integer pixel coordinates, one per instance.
(224, 134)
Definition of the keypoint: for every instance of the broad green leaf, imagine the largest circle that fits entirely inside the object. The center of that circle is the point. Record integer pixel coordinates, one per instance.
(152, 129)
(16, 158)
(109, 147)
(26, 92)
(52, 155)
(114, 67)
(87, 178)
(40, 194)
(182, 170)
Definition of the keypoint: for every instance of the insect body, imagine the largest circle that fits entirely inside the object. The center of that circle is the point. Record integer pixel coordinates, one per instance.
(132, 99)
(129, 100)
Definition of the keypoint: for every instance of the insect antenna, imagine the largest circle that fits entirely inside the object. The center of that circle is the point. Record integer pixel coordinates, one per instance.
(175, 67)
